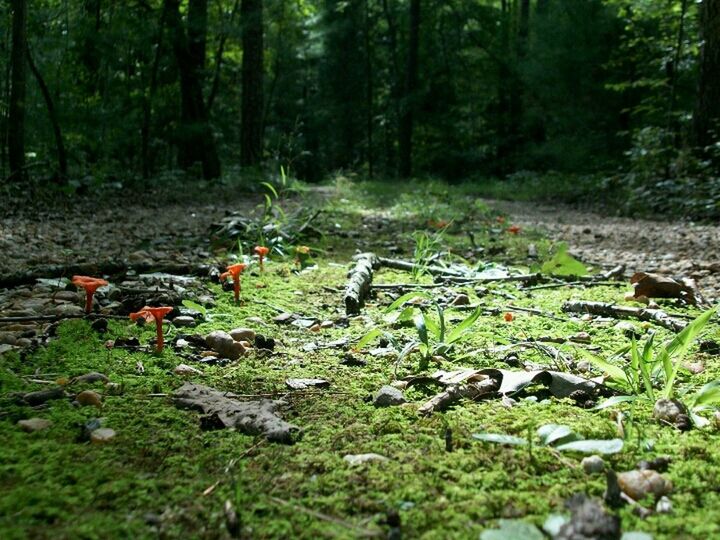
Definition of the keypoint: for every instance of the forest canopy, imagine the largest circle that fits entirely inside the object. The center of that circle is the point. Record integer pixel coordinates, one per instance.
(98, 91)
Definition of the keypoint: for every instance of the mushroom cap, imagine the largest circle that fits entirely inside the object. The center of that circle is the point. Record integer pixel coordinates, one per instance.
(151, 313)
(262, 250)
(233, 270)
(88, 283)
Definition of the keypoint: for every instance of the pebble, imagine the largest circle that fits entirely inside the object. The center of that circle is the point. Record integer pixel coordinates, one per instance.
(315, 328)
(593, 464)
(34, 424)
(255, 320)
(113, 389)
(388, 396)
(182, 343)
(360, 459)
(671, 411)
(461, 300)
(102, 435)
(223, 344)
(664, 506)
(243, 334)
(581, 337)
(184, 369)
(183, 321)
(638, 484)
(68, 310)
(88, 397)
(327, 324)
(302, 384)
(89, 378)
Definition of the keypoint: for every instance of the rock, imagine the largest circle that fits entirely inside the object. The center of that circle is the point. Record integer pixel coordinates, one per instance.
(182, 343)
(99, 325)
(388, 396)
(246, 344)
(593, 464)
(34, 424)
(88, 397)
(8, 338)
(223, 344)
(266, 343)
(360, 459)
(255, 320)
(673, 412)
(461, 300)
(184, 369)
(315, 328)
(113, 389)
(23, 342)
(284, 318)
(102, 435)
(664, 505)
(584, 366)
(327, 324)
(68, 310)
(581, 337)
(628, 329)
(589, 522)
(89, 378)
(638, 484)
(183, 321)
(41, 396)
(243, 334)
(302, 384)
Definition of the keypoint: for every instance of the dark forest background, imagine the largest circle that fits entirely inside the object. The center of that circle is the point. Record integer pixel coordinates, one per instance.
(624, 92)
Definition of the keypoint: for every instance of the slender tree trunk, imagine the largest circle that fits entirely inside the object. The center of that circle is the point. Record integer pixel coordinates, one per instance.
(251, 130)
(196, 142)
(215, 86)
(407, 118)
(394, 102)
(672, 124)
(706, 120)
(369, 91)
(54, 122)
(503, 117)
(16, 112)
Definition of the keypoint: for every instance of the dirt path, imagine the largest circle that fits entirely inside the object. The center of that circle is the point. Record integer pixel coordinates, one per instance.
(671, 248)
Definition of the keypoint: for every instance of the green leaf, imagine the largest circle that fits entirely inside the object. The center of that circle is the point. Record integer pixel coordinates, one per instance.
(500, 438)
(432, 327)
(401, 316)
(195, 307)
(404, 298)
(513, 529)
(553, 433)
(707, 396)
(367, 338)
(591, 446)
(461, 329)
(564, 264)
(615, 400)
(616, 373)
(422, 329)
(270, 188)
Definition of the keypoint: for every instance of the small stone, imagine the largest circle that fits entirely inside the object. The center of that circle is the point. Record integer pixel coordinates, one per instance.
(461, 300)
(113, 389)
(100, 325)
(593, 464)
(223, 344)
(184, 369)
(638, 484)
(664, 506)
(388, 396)
(68, 310)
(360, 459)
(88, 397)
(34, 424)
(89, 378)
(315, 328)
(102, 435)
(581, 337)
(302, 384)
(183, 321)
(584, 366)
(246, 344)
(327, 324)
(265, 343)
(182, 343)
(671, 411)
(255, 320)
(284, 318)
(243, 334)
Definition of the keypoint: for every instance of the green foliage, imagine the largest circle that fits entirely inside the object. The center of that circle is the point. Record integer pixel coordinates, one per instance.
(563, 264)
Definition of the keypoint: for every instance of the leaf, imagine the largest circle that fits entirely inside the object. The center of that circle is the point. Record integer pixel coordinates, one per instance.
(500, 438)
(707, 396)
(422, 329)
(593, 446)
(513, 529)
(432, 326)
(554, 433)
(616, 373)
(459, 331)
(270, 188)
(671, 355)
(615, 400)
(404, 298)
(564, 264)
(367, 338)
(195, 307)
(402, 316)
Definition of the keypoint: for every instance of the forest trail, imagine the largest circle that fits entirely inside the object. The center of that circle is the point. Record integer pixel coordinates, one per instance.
(665, 247)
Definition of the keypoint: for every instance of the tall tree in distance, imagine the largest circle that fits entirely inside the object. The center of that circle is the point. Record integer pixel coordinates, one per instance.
(16, 109)
(195, 139)
(407, 113)
(251, 129)
(706, 119)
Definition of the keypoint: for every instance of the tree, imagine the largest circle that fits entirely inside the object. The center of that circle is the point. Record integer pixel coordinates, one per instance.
(251, 130)
(407, 118)
(16, 110)
(195, 139)
(706, 119)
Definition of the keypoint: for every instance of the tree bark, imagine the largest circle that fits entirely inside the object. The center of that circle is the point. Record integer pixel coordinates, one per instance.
(215, 86)
(251, 130)
(195, 138)
(52, 114)
(407, 118)
(18, 76)
(706, 120)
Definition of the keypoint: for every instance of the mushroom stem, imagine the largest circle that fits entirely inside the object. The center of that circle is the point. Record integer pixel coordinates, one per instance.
(88, 301)
(160, 343)
(236, 288)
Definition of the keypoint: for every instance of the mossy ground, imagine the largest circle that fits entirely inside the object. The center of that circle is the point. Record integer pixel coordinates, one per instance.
(150, 481)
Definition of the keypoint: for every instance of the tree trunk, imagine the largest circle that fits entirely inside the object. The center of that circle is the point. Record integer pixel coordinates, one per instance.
(195, 138)
(251, 131)
(407, 118)
(215, 86)
(16, 112)
(54, 122)
(369, 91)
(706, 121)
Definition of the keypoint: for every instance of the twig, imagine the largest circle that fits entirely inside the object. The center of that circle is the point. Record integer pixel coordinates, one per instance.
(577, 283)
(602, 309)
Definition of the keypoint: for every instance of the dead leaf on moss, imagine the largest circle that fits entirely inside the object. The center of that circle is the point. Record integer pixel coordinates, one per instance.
(657, 286)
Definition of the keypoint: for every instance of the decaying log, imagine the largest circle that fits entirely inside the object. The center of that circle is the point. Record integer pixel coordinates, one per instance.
(603, 309)
(360, 279)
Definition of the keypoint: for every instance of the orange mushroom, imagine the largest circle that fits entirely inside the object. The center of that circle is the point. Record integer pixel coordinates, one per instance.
(157, 314)
(234, 270)
(513, 229)
(509, 317)
(90, 284)
(261, 252)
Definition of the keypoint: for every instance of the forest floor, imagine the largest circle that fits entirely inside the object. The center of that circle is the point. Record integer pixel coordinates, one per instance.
(120, 456)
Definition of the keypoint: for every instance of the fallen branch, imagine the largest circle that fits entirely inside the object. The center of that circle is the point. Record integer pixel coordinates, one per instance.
(602, 309)
(410, 267)
(360, 279)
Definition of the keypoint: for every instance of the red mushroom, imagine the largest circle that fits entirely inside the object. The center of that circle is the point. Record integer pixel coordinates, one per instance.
(261, 252)
(157, 314)
(234, 270)
(90, 284)
(514, 229)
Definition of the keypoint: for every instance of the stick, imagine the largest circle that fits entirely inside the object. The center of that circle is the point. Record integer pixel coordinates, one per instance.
(656, 316)
(359, 283)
